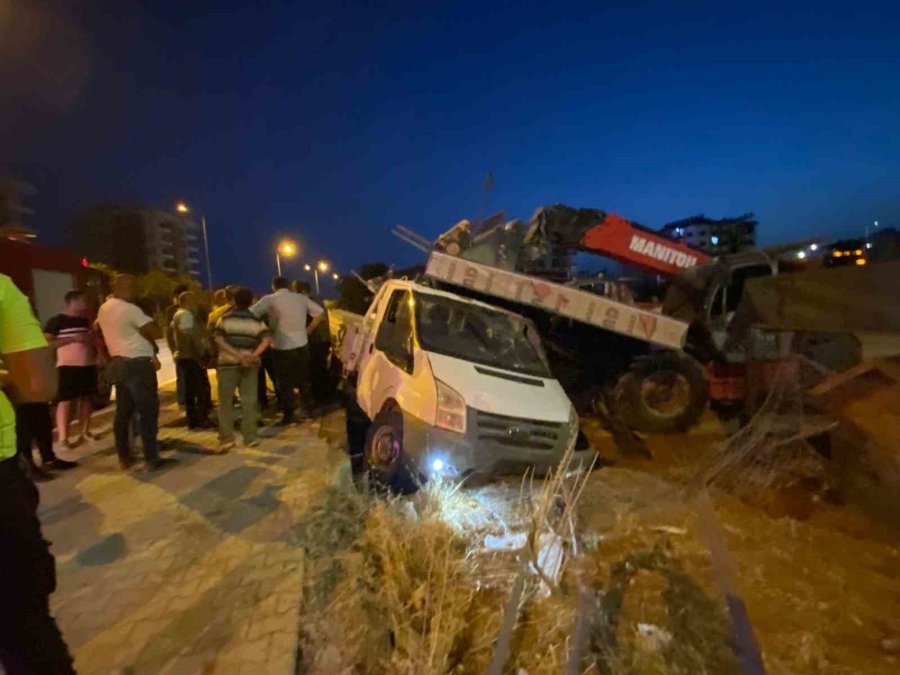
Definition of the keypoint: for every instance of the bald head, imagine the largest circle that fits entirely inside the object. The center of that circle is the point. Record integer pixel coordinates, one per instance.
(123, 286)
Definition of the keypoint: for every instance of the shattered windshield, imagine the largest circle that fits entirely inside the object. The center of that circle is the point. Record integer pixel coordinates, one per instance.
(476, 333)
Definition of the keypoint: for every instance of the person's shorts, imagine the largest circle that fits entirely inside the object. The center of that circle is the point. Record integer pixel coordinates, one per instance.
(76, 382)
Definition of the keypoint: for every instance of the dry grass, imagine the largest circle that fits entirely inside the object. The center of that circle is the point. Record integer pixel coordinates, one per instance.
(407, 586)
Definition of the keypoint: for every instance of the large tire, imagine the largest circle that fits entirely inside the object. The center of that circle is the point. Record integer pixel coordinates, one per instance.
(388, 467)
(661, 393)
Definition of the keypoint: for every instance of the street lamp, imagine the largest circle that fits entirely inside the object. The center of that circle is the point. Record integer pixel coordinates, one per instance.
(287, 249)
(335, 276)
(321, 266)
(184, 209)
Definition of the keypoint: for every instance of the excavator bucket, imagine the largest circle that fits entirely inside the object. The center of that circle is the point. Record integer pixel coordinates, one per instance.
(860, 300)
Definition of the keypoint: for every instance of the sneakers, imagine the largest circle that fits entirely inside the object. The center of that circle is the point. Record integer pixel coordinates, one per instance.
(153, 465)
(224, 447)
(38, 475)
(158, 464)
(58, 464)
(91, 436)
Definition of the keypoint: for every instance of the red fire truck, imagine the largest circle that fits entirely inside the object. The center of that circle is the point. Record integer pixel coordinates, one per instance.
(45, 274)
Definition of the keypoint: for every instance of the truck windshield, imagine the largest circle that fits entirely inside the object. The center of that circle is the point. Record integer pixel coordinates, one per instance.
(479, 334)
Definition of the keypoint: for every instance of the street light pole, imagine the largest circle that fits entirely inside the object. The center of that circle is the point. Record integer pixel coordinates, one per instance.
(206, 248)
(184, 209)
(322, 266)
(286, 248)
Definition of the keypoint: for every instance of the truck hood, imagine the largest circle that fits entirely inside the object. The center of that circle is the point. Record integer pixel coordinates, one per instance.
(503, 392)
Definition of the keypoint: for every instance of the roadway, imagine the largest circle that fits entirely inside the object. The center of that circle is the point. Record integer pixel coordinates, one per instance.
(166, 373)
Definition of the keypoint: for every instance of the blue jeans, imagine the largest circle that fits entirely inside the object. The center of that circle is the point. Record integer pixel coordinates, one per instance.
(136, 393)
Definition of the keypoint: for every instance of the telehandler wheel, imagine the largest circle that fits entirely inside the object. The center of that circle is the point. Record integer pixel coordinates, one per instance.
(661, 393)
(387, 466)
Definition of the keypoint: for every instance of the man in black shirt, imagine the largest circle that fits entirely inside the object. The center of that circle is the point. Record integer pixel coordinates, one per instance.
(70, 336)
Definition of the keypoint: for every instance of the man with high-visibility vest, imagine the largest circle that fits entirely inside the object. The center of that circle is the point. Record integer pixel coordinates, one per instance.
(30, 641)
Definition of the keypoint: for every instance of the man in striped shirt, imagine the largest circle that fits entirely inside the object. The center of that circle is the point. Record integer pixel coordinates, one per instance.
(71, 336)
(242, 338)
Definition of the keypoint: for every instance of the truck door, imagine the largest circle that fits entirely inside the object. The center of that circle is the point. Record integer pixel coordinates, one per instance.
(388, 358)
(727, 297)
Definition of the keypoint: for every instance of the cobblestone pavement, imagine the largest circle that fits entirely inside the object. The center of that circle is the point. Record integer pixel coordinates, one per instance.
(192, 569)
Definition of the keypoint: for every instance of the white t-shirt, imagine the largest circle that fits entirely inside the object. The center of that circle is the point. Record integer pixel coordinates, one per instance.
(120, 321)
(287, 312)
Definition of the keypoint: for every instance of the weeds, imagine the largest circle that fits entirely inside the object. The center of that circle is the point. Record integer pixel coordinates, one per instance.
(407, 586)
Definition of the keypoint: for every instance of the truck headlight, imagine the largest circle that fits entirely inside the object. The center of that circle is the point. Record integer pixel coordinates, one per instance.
(451, 409)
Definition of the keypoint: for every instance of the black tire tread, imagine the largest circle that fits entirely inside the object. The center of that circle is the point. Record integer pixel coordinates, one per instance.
(399, 479)
(627, 399)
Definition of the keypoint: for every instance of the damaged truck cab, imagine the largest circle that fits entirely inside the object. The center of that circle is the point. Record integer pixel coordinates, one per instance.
(452, 387)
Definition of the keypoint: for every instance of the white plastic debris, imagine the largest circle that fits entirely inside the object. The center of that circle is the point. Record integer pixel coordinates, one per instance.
(668, 529)
(652, 638)
(511, 541)
(550, 558)
(408, 511)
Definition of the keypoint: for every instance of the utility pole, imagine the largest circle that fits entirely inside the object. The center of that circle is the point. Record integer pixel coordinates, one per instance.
(486, 196)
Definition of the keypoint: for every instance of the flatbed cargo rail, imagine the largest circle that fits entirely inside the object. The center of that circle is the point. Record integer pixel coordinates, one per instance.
(560, 299)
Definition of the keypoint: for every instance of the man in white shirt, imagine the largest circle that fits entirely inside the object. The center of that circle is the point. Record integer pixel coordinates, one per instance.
(286, 313)
(129, 340)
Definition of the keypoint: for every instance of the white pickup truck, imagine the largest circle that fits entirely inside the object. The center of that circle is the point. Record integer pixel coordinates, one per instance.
(452, 387)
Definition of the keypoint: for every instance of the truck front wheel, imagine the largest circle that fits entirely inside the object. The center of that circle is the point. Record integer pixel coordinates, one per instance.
(661, 393)
(386, 464)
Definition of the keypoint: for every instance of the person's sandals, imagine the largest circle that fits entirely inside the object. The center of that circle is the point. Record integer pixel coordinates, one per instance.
(58, 464)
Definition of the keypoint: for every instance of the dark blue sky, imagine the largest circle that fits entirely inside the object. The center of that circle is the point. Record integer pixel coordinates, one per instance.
(335, 121)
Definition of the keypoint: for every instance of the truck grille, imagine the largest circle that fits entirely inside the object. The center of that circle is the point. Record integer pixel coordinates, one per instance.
(517, 432)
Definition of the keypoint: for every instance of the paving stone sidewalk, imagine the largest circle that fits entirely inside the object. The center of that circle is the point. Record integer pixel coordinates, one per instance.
(193, 569)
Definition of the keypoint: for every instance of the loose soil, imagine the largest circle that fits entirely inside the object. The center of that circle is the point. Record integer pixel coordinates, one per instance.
(407, 586)
(821, 580)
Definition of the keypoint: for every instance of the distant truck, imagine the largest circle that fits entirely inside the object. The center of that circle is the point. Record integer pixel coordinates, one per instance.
(724, 326)
(452, 387)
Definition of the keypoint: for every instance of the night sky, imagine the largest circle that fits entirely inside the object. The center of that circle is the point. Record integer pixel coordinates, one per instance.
(332, 122)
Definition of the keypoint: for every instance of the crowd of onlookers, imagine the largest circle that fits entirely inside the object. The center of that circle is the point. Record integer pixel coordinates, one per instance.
(281, 337)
